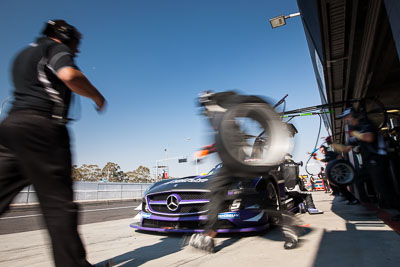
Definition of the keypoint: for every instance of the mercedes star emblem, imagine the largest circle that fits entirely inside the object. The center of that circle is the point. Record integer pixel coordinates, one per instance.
(172, 202)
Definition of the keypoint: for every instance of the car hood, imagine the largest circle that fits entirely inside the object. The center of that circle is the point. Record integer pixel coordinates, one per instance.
(186, 183)
(194, 183)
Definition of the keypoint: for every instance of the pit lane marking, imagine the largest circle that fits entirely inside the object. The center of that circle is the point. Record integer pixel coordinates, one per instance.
(81, 211)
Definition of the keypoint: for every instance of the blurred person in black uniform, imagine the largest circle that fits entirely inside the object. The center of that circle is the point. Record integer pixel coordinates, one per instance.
(220, 184)
(294, 186)
(312, 182)
(219, 198)
(34, 140)
(373, 153)
(329, 156)
(323, 177)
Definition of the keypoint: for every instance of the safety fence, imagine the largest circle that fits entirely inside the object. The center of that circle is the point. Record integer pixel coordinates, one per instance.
(91, 191)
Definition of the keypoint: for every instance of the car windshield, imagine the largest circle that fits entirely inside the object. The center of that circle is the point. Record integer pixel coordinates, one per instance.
(215, 169)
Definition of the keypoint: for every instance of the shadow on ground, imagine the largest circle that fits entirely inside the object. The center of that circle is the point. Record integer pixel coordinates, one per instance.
(166, 246)
(365, 242)
(169, 244)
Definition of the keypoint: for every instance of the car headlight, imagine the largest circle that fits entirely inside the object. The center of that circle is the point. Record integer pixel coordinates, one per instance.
(145, 207)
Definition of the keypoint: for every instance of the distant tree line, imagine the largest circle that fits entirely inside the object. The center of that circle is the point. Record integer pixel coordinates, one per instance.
(111, 172)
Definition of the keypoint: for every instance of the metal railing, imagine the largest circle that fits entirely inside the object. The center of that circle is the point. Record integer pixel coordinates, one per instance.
(91, 191)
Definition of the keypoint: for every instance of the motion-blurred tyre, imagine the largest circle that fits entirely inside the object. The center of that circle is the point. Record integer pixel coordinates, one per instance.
(251, 139)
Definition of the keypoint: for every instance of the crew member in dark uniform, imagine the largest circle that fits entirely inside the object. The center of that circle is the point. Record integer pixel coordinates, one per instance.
(372, 149)
(329, 156)
(34, 140)
(295, 187)
(220, 184)
(323, 177)
(312, 182)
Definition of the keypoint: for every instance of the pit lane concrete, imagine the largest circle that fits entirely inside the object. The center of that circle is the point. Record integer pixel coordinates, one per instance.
(342, 236)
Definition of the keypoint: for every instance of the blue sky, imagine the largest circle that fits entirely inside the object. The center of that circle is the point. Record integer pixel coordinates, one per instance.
(150, 59)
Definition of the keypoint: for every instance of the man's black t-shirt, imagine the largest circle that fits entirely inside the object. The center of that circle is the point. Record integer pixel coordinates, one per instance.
(367, 150)
(290, 173)
(34, 74)
(322, 175)
(330, 155)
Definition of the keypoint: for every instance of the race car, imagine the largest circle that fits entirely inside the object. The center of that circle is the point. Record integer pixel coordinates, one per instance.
(180, 205)
(319, 185)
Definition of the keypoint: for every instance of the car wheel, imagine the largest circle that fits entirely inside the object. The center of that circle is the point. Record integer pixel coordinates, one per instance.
(251, 139)
(340, 172)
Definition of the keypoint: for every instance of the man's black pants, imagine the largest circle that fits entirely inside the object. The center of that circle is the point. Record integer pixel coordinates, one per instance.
(301, 196)
(218, 197)
(377, 167)
(219, 201)
(34, 149)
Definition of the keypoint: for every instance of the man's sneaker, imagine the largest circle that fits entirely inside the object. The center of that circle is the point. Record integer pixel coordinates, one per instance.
(291, 236)
(195, 240)
(202, 242)
(314, 211)
(290, 244)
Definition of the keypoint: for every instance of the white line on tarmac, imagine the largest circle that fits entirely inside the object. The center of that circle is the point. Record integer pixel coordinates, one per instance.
(36, 215)
(116, 208)
(17, 217)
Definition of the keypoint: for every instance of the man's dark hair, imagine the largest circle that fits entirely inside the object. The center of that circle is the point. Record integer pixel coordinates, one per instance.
(324, 147)
(356, 113)
(61, 30)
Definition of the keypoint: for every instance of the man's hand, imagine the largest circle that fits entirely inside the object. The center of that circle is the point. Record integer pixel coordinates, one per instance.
(204, 151)
(315, 157)
(201, 154)
(368, 137)
(101, 104)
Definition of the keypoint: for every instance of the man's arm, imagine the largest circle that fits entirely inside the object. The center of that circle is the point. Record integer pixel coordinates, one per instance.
(368, 137)
(78, 83)
(339, 148)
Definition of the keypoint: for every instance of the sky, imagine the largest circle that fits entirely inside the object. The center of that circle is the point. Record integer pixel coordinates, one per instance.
(151, 59)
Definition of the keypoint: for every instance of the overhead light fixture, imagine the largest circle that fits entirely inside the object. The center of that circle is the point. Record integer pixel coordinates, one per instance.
(281, 20)
(277, 21)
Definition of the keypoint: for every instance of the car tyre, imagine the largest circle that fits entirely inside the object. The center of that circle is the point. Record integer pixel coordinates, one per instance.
(340, 172)
(233, 144)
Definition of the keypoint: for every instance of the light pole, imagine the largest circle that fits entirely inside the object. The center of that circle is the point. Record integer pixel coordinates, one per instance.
(166, 158)
(157, 167)
(166, 166)
(195, 157)
(281, 20)
(197, 169)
